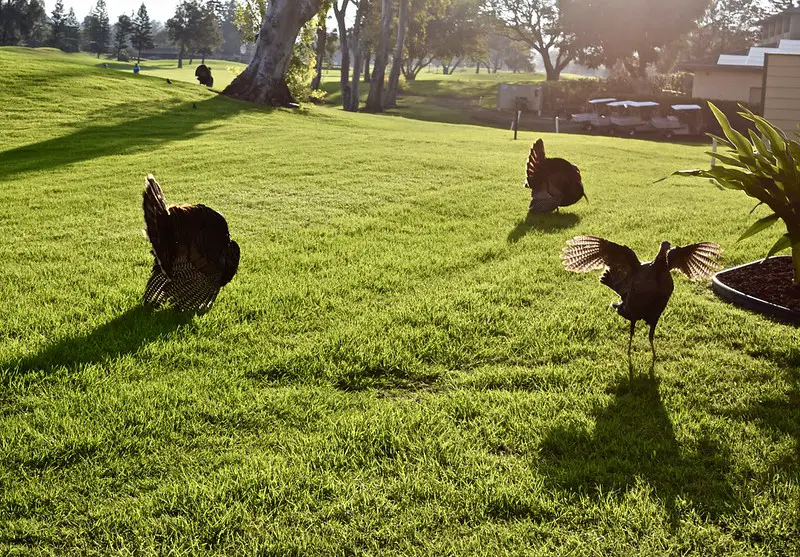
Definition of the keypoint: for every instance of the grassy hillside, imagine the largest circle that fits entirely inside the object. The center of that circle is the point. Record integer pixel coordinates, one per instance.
(401, 366)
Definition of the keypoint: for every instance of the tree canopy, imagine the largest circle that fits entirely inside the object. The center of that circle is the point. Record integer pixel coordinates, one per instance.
(21, 21)
(540, 25)
(631, 32)
(142, 35)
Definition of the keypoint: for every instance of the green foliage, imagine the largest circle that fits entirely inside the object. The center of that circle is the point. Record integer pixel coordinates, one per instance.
(72, 32)
(540, 25)
(99, 28)
(122, 32)
(249, 17)
(21, 21)
(142, 35)
(57, 25)
(765, 167)
(611, 31)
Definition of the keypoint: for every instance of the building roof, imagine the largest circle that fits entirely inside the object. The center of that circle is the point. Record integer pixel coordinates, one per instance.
(753, 60)
(790, 11)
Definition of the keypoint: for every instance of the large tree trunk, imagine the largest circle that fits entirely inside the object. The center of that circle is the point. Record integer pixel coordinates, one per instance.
(375, 98)
(264, 80)
(180, 57)
(355, 99)
(367, 75)
(344, 78)
(552, 72)
(397, 58)
(322, 39)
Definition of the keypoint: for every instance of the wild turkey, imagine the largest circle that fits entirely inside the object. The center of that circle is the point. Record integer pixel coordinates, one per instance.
(203, 75)
(194, 254)
(644, 288)
(553, 183)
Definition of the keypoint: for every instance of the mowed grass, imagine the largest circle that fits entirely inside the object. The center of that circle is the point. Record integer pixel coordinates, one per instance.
(401, 366)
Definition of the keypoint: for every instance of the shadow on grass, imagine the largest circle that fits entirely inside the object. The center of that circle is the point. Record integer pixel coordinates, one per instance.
(633, 445)
(122, 335)
(181, 121)
(545, 222)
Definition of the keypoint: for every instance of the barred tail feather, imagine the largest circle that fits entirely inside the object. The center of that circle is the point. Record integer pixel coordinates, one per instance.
(155, 219)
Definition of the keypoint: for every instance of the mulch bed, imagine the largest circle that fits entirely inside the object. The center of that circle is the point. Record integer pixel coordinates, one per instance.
(770, 281)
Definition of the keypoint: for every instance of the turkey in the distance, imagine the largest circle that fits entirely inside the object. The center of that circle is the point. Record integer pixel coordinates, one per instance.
(203, 75)
(553, 183)
(194, 254)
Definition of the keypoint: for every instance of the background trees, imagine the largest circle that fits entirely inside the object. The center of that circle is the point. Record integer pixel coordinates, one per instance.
(21, 21)
(611, 31)
(99, 28)
(179, 28)
(57, 25)
(141, 35)
(122, 32)
(539, 24)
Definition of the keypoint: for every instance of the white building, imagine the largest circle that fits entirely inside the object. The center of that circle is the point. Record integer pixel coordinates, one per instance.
(737, 77)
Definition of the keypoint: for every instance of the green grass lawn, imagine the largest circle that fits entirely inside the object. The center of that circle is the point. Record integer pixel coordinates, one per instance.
(401, 366)
(460, 89)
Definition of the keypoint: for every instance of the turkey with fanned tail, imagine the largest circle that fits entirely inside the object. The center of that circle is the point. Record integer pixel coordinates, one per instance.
(644, 288)
(194, 254)
(553, 183)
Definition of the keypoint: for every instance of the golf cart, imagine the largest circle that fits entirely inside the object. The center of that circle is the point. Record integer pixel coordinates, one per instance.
(595, 115)
(683, 119)
(631, 117)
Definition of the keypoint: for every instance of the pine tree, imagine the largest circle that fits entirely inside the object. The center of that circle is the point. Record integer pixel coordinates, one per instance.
(58, 26)
(72, 32)
(99, 28)
(208, 32)
(178, 29)
(122, 31)
(142, 36)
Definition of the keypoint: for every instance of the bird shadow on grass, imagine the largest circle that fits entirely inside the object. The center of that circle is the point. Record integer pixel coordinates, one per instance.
(633, 445)
(180, 121)
(545, 222)
(123, 335)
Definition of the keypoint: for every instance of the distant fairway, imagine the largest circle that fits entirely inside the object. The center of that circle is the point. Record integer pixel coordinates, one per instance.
(401, 365)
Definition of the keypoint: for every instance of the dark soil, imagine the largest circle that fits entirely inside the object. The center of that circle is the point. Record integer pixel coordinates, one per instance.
(770, 281)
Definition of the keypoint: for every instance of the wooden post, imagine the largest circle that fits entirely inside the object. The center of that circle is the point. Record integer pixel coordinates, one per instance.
(516, 124)
(713, 150)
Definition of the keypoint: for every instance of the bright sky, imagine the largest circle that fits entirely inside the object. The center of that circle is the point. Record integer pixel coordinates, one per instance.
(160, 10)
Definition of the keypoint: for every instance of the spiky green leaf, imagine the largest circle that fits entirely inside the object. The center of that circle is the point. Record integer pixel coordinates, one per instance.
(759, 225)
(784, 242)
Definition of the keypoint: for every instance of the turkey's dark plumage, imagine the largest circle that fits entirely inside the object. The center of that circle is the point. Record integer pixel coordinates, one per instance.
(194, 255)
(203, 75)
(553, 183)
(644, 288)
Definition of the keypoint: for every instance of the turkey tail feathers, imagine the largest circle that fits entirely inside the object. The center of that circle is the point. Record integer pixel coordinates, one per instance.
(155, 219)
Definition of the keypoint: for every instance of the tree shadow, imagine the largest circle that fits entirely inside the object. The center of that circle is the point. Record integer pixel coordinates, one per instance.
(633, 443)
(122, 335)
(179, 122)
(544, 222)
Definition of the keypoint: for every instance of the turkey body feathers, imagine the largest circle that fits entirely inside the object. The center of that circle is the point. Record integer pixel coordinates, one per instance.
(195, 256)
(625, 274)
(553, 182)
(644, 288)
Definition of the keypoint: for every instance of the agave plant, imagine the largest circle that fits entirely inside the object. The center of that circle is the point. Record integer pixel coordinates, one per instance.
(767, 168)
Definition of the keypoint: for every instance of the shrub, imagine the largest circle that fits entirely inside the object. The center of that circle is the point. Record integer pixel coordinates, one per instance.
(767, 168)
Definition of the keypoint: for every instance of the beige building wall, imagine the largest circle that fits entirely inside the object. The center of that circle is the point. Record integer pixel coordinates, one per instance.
(728, 85)
(782, 90)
